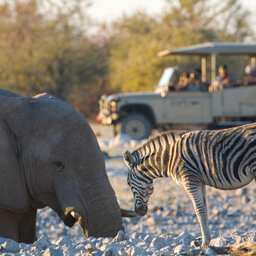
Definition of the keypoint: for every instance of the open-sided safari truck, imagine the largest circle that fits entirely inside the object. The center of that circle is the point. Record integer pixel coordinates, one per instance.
(136, 114)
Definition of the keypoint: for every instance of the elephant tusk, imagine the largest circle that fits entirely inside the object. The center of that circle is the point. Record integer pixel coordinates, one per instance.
(74, 214)
(128, 213)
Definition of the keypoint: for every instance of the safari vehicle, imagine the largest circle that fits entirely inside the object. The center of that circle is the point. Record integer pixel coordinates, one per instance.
(136, 114)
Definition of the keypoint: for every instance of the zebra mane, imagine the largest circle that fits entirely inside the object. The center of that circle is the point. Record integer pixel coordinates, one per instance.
(173, 133)
(141, 158)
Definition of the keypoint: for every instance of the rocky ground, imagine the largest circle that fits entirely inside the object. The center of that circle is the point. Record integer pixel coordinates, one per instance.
(169, 228)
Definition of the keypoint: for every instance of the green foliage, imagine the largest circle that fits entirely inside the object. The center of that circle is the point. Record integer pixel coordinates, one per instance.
(134, 64)
(37, 52)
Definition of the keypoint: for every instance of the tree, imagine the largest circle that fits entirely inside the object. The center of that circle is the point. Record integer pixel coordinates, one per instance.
(138, 38)
(136, 41)
(39, 53)
(45, 46)
(212, 20)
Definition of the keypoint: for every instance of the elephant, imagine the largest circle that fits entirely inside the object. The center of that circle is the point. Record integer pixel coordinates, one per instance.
(50, 157)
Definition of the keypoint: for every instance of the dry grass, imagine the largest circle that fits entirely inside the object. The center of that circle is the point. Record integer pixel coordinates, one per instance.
(242, 249)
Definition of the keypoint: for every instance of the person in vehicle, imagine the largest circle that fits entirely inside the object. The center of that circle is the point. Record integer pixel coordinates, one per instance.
(250, 72)
(194, 82)
(183, 81)
(224, 79)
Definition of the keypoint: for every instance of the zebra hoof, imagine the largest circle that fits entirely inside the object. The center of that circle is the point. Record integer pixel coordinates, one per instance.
(205, 245)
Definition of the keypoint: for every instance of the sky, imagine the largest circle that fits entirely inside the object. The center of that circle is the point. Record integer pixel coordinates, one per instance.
(108, 10)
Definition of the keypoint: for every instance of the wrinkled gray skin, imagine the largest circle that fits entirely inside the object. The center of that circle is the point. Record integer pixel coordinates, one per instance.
(49, 156)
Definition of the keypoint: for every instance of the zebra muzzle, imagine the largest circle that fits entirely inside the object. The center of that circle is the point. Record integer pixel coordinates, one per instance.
(141, 210)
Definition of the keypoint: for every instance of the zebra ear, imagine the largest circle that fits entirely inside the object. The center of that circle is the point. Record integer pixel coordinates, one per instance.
(128, 158)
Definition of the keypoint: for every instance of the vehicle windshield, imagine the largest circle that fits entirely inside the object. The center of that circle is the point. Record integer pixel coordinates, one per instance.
(166, 77)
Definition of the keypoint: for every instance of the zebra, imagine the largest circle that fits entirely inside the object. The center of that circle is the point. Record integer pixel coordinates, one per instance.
(224, 159)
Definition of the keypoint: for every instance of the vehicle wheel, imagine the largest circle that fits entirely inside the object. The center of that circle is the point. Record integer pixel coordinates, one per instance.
(137, 126)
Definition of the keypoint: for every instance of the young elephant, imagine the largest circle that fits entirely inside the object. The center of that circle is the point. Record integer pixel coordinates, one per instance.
(49, 156)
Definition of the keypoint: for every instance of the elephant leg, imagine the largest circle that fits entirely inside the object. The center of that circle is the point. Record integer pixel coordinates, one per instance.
(27, 227)
(21, 227)
(9, 224)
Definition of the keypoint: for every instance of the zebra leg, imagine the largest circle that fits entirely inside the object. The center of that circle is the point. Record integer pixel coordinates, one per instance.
(198, 197)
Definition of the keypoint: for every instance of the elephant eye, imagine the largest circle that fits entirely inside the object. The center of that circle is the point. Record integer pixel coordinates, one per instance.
(60, 166)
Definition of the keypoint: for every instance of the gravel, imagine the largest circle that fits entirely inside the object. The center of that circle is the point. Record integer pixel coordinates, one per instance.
(169, 228)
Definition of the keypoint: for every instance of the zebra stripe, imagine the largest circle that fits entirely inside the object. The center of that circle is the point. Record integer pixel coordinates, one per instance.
(224, 159)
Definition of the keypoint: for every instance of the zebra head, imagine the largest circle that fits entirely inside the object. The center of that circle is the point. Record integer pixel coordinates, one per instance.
(140, 184)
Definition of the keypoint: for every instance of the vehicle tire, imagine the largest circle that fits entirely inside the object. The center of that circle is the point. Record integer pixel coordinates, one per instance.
(136, 125)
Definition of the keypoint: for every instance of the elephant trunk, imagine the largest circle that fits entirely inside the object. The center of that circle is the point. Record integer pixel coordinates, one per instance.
(103, 214)
(96, 209)
(104, 219)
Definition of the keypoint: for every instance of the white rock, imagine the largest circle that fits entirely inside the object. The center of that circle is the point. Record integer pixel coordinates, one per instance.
(63, 240)
(181, 249)
(134, 241)
(142, 244)
(9, 245)
(111, 251)
(120, 236)
(158, 243)
(134, 235)
(219, 242)
(151, 250)
(121, 251)
(210, 252)
(241, 192)
(42, 243)
(90, 247)
(148, 239)
(154, 220)
(53, 252)
(107, 240)
(138, 251)
(166, 251)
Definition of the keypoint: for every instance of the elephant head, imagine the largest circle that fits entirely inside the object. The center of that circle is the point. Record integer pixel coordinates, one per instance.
(49, 156)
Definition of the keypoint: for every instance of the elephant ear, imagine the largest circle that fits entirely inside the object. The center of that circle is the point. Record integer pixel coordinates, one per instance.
(13, 193)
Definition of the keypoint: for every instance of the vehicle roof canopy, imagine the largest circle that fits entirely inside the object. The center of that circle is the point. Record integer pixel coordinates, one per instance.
(213, 49)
